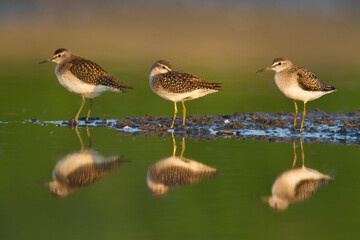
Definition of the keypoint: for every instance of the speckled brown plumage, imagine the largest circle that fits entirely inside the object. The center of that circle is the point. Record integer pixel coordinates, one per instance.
(305, 188)
(89, 173)
(92, 73)
(308, 81)
(175, 176)
(180, 82)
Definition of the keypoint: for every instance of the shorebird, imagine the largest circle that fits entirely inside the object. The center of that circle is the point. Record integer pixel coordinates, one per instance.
(178, 86)
(83, 77)
(80, 169)
(176, 171)
(297, 83)
(295, 185)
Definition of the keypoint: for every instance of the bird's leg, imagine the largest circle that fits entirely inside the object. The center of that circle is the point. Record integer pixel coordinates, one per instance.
(296, 113)
(184, 112)
(294, 147)
(303, 117)
(175, 112)
(302, 152)
(80, 139)
(81, 107)
(174, 144)
(88, 114)
(182, 147)
(89, 136)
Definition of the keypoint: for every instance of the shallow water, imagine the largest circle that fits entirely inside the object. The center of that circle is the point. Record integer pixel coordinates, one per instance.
(121, 205)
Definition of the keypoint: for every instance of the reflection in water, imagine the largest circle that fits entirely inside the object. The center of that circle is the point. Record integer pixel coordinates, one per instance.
(296, 184)
(176, 172)
(79, 169)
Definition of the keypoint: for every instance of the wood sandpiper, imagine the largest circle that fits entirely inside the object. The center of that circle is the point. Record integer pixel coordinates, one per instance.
(297, 83)
(83, 77)
(176, 171)
(80, 169)
(295, 184)
(178, 86)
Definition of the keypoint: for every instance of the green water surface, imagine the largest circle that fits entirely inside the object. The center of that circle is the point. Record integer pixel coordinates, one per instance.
(120, 205)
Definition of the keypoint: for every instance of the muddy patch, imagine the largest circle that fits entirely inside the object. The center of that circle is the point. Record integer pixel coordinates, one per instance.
(319, 127)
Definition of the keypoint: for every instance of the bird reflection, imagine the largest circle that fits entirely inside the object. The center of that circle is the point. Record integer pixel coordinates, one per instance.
(81, 168)
(176, 172)
(296, 184)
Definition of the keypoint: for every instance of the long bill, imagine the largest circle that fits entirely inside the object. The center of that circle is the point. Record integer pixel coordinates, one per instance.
(264, 69)
(45, 61)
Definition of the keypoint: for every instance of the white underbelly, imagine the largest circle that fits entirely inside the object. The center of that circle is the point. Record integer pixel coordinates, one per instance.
(78, 87)
(178, 97)
(297, 93)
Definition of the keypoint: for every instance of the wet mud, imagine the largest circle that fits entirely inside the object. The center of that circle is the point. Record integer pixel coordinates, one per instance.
(319, 127)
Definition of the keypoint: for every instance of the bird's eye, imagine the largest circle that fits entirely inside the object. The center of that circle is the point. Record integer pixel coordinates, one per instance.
(59, 55)
(163, 67)
(279, 63)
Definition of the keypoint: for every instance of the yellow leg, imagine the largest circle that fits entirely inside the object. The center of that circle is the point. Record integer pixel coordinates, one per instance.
(81, 107)
(302, 152)
(174, 144)
(182, 147)
(296, 113)
(184, 112)
(294, 147)
(81, 141)
(88, 114)
(303, 117)
(89, 136)
(175, 112)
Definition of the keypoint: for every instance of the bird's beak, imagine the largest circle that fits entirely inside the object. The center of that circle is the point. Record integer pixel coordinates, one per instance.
(262, 198)
(45, 61)
(45, 184)
(265, 69)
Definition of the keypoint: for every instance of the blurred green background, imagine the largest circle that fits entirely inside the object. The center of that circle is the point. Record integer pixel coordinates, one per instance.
(219, 41)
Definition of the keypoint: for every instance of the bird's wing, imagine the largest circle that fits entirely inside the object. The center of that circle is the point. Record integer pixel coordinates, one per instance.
(307, 187)
(176, 176)
(310, 82)
(90, 173)
(93, 73)
(180, 82)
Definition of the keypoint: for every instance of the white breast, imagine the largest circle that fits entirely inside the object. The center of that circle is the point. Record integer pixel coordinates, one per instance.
(289, 86)
(74, 85)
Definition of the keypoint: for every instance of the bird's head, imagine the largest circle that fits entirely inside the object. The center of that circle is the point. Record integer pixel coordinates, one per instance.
(57, 189)
(278, 65)
(59, 56)
(160, 67)
(276, 203)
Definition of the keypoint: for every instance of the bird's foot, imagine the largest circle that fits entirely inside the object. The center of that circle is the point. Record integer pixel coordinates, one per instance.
(72, 124)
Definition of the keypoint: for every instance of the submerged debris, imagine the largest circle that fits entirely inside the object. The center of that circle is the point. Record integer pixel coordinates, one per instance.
(320, 127)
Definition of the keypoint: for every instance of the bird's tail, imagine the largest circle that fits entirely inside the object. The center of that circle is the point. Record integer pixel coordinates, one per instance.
(329, 89)
(216, 86)
(125, 86)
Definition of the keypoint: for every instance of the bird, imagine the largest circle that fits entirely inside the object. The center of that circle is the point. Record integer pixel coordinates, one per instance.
(295, 185)
(176, 171)
(81, 168)
(297, 83)
(83, 77)
(178, 86)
